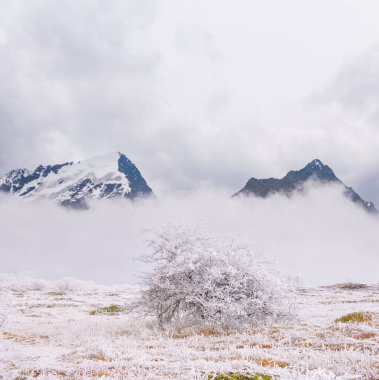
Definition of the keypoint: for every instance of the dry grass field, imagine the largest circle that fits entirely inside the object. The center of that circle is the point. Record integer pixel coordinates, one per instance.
(71, 329)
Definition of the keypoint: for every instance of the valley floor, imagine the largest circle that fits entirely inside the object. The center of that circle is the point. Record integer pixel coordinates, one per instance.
(68, 330)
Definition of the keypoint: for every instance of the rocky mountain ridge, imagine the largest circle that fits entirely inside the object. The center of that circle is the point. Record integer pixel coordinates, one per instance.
(295, 180)
(72, 184)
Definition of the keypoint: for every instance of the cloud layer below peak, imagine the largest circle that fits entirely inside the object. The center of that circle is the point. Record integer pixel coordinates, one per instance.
(319, 236)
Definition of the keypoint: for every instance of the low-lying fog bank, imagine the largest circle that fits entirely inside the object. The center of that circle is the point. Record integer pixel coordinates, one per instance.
(320, 236)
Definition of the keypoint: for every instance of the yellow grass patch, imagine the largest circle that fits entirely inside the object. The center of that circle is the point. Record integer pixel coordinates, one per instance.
(111, 309)
(270, 363)
(24, 339)
(357, 317)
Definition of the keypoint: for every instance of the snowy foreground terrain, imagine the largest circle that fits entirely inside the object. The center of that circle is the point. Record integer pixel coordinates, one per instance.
(69, 330)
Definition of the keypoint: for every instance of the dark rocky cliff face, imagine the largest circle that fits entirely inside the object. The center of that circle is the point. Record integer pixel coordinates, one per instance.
(138, 184)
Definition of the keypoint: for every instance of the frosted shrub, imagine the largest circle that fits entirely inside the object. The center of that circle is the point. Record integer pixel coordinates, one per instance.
(203, 280)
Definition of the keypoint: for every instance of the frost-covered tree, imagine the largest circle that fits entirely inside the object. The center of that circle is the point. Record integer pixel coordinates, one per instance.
(204, 280)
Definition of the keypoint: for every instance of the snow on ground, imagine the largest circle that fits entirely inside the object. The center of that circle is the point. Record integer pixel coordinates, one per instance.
(48, 332)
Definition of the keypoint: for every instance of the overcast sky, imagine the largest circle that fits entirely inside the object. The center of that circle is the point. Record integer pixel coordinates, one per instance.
(197, 93)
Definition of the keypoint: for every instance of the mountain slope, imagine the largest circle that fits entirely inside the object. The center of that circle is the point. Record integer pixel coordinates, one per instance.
(71, 184)
(295, 180)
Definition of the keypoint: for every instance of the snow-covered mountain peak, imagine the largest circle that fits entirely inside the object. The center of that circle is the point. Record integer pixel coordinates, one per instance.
(101, 164)
(97, 168)
(70, 184)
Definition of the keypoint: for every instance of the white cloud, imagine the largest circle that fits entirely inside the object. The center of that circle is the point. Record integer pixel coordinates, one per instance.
(193, 92)
(320, 236)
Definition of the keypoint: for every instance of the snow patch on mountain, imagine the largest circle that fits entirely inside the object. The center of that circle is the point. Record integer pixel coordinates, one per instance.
(70, 184)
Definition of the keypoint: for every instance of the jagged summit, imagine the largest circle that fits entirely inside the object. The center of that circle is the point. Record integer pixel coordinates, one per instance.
(295, 180)
(316, 164)
(314, 169)
(71, 184)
